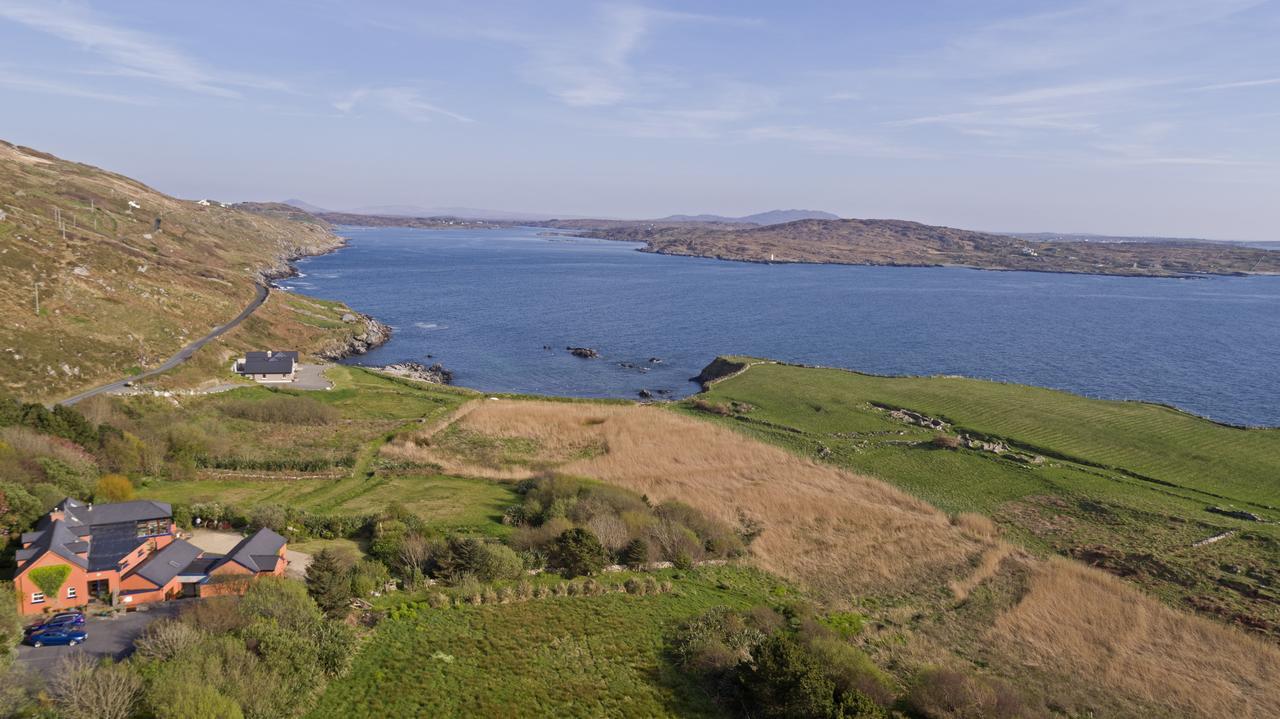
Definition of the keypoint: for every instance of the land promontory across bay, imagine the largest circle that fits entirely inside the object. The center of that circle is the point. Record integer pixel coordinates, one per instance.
(807, 236)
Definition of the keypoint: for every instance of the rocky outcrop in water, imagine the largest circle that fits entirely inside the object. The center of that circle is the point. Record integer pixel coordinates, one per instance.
(435, 374)
(583, 352)
(368, 333)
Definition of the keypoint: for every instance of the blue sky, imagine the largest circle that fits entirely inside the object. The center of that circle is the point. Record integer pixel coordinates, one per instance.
(1110, 116)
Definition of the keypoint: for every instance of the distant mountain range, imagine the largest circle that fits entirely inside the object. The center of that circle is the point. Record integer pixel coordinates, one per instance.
(772, 217)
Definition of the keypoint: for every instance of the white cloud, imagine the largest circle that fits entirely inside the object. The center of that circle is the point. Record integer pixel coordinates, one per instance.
(1241, 84)
(406, 102)
(31, 83)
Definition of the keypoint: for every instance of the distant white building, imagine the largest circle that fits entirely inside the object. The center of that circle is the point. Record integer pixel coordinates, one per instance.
(204, 203)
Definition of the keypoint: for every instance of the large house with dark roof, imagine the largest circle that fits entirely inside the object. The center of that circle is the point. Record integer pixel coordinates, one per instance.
(127, 553)
(268, 366)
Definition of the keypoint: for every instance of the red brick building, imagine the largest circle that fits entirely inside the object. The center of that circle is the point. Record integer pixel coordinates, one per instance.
(126, 553)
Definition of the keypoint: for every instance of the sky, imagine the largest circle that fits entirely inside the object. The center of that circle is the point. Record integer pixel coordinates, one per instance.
(1145, 117)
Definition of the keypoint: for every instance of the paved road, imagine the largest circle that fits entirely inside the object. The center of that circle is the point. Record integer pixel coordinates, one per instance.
(107, 637)
(183, 355)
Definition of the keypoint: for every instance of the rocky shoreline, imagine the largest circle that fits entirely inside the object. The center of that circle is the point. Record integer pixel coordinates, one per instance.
(435, 374)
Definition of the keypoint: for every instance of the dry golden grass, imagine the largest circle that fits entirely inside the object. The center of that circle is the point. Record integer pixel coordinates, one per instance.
(833, 530)
(1084, 633)
(1082, 622)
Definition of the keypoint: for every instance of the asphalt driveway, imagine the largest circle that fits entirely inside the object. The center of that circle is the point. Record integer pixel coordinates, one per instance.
(108, 637)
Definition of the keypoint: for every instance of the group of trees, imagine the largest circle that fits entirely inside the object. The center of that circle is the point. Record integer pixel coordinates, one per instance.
(334, 579)
(262, 656)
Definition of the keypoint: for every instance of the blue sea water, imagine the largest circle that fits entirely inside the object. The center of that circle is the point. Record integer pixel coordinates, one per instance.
(487, 304)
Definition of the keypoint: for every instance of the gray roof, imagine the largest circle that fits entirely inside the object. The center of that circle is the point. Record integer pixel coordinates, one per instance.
(258, 552)
(168, 562)
(79, 514)
(56, 538)
(272, 362)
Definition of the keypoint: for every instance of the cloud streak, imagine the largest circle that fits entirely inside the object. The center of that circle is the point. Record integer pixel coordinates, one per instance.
(406, 102)
(131, 53)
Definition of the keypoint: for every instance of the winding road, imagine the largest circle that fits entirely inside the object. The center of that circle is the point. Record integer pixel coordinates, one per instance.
(183, 354)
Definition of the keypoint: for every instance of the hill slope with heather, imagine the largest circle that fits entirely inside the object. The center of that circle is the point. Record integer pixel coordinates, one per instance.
(124, 275)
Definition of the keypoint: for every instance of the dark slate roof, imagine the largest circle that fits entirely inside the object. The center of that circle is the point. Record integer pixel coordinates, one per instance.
(202, 564)
(168, 562)
(273, 362)
(107, 531)
(258, 552)
(56, 538)
(94, 515)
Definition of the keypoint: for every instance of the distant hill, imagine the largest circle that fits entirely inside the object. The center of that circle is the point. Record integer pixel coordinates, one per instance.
(899, 242)
(772, 217)
(302, 205)
(466, 213)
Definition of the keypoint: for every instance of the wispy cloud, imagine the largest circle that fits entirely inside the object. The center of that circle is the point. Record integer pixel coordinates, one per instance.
(131, 53)
(829, 140)
(25, 82)
(1240, 84)
(406, 102)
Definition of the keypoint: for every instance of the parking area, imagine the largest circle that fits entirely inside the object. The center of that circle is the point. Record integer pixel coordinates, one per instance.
(108, 637)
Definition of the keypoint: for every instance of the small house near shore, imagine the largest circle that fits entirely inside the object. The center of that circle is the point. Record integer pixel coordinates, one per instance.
(271, 366)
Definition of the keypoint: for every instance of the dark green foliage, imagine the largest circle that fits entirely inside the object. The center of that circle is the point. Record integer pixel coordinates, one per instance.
(62, 421)
(272, 464)
(786, 682)
(636, 554)
(10, 624)
(329, 583)
(18, 509)
(577, 552)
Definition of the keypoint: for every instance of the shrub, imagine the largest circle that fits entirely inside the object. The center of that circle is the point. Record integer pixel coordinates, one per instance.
(493, 562)
(113, 488)
(369, 576)
(953, 694)
(281, 410)
(166, 639)
(49, 579)
(87, 690)
(576, 553)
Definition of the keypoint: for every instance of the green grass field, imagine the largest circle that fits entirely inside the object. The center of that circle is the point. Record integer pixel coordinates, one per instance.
(555, 657)
(1124, 486)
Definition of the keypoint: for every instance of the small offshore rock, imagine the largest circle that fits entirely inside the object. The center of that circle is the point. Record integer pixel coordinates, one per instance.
(583, 352)
(645, 394)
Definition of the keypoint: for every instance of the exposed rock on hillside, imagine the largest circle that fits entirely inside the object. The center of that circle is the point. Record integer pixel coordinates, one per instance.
(435, 374)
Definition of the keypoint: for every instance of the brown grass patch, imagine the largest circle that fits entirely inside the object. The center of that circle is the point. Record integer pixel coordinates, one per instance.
(836, 531)
(1086, 623)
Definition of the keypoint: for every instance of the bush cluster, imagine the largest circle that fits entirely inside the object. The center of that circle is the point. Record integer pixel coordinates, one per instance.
(761, 663)
(627, 526)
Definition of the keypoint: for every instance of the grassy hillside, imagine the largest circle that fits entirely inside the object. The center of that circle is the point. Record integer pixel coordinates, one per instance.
(125, 275)
(1124, 486)
(899, 242)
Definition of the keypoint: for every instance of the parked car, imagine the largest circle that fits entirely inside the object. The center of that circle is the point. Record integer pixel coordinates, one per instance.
(63, 619)
(67, 634)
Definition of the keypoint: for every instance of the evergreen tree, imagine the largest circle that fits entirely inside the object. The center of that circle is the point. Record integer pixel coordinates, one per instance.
(636, 554)
(329, 583)
(577, 552)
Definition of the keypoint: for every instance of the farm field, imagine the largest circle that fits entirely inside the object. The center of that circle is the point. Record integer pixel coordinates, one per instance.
(1122, 486)
(586, 656)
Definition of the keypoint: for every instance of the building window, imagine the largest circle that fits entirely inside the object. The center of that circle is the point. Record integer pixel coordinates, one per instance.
(151, 527)
(37, 598)
(142, 552)
(71, 592)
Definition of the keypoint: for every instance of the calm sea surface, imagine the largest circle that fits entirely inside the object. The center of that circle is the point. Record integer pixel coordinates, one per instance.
(487, 302)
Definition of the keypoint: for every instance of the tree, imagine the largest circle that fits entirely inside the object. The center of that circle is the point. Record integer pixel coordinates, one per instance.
(283, 601)
(166, 639)
(197, 701)
(113, 488)
(87, 690)
(329, 583)
(786, 682)
(636, 554)
(577, 552)
(10, 624)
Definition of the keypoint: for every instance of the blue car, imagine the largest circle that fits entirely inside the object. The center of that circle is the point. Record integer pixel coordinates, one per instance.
(58, 621)
(65, 635)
